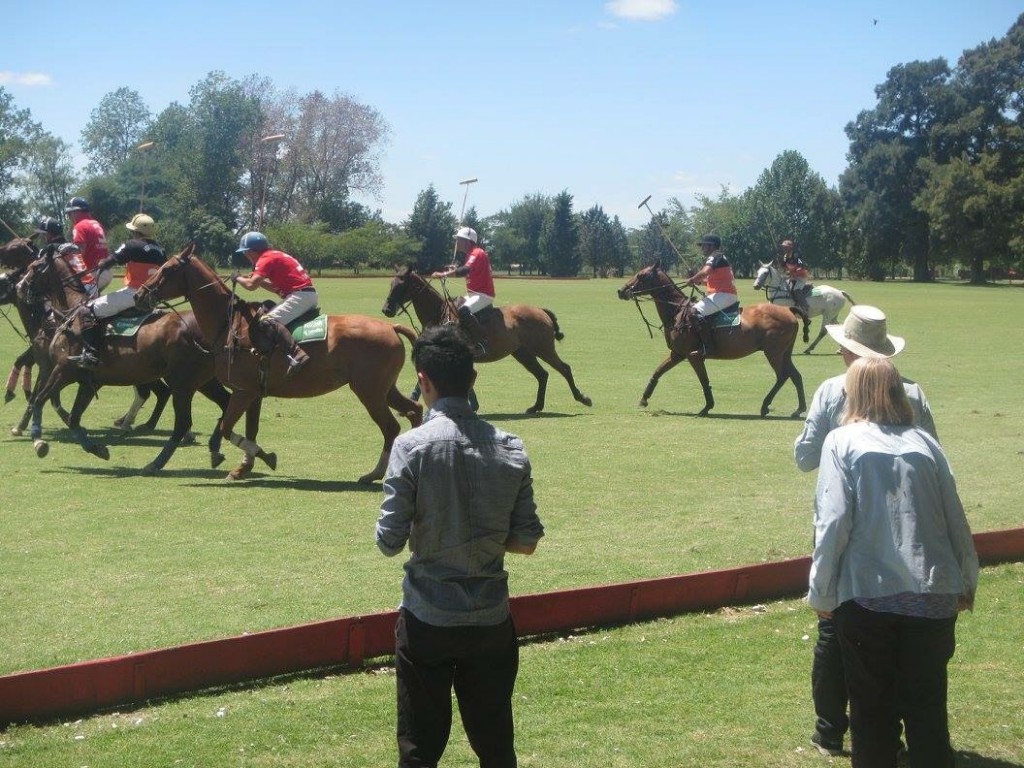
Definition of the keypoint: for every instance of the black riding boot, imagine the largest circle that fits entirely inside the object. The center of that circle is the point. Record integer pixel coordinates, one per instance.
(91, 336)
(282, 337)
(471, 325)
(706, 334)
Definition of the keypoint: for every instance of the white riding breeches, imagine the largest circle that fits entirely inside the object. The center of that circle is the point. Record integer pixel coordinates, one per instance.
(715, 302)
(477, 301)
(294, 304)
(100, 281)
(109, 304)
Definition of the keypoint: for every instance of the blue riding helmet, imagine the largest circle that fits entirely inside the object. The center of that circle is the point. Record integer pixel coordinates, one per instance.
(253, 241)
(77, 204)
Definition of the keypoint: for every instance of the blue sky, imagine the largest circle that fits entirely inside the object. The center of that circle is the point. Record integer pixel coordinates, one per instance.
(612, 101)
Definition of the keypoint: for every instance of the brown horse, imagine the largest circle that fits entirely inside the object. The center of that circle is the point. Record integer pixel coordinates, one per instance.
(166, 346)
(16, 255)
(765, 327)
(525, 332)
(365, 353)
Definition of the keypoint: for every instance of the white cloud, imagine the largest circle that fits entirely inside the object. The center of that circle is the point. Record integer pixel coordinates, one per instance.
(25, 78)
(641, 10)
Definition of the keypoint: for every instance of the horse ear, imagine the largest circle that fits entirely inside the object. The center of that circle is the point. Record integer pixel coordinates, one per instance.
(656, 265)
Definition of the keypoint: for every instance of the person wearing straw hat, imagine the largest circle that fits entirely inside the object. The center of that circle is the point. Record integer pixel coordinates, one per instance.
(141, 257)
(864, 334)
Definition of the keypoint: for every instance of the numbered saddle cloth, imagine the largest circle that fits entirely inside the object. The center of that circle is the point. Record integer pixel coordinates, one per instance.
(310, 330)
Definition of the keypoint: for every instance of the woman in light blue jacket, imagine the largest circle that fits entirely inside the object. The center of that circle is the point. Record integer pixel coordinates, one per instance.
(894, 563)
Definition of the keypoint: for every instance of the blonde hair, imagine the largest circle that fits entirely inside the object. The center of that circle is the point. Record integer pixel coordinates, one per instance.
(874, 392)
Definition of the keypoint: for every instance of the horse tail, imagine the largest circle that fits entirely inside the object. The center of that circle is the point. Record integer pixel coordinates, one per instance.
(554, 322)
(402, 330)
(848, 297)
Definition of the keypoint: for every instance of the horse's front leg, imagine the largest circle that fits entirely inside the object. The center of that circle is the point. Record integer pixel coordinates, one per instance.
(667, 364)
(243, 402)
(696, 360)
(86, 392)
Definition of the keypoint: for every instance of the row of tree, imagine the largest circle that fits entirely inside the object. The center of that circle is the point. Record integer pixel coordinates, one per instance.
(935, 182)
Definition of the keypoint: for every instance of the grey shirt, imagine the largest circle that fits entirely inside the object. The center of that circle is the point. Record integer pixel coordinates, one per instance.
(457, 489)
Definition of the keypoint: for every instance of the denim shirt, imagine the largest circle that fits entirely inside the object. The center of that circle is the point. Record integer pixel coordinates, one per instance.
(827, 408)
(888, 519)
(457, 489)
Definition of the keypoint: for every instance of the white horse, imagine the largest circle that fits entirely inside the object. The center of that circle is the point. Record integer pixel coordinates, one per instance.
(823, 300)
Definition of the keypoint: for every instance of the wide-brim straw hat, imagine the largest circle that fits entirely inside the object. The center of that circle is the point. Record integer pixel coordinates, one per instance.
(865, 333)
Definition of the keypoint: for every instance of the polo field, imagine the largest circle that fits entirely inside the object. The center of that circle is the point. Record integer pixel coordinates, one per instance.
(100, 560)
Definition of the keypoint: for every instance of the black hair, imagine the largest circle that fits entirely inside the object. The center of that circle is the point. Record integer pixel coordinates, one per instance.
(443, 353)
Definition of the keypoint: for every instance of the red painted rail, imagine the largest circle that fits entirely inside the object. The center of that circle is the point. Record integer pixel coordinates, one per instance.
(90, 686)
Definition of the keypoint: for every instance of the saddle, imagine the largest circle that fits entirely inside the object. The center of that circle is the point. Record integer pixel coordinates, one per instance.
(128, 322)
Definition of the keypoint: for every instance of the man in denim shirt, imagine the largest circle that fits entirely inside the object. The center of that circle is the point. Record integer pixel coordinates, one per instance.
(460, 492)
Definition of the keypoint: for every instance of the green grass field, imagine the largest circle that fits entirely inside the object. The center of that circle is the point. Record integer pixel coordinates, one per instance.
(100, 561)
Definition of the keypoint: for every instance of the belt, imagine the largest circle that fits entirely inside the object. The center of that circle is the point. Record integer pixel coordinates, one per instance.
(300, 290)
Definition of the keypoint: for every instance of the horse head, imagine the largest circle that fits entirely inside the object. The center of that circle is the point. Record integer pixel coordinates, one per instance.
(645, 282)
(400, 292)
(50, 278)
(9, 285)
(17, 253)
(168, 282)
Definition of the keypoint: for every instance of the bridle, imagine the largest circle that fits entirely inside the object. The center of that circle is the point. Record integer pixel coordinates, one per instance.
(648, 295)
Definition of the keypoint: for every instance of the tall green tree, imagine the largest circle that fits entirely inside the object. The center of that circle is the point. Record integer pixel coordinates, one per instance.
(17, 133)
(516, 233)
(887, 144)
(49, 176)
(115, 128)
(431, 224)
(560, 239)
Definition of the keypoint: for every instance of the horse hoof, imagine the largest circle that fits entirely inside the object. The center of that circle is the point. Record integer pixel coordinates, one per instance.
(368, 479)
(150, 469)
(642, 404)
(586, 401)
(270, 459)
(119, 423)
(239, 473)
(8, 396)
(100, 451)
(17, 432)
(535, 409)
(42, 448)
(189, 439)
(797, 414)
(216, 459)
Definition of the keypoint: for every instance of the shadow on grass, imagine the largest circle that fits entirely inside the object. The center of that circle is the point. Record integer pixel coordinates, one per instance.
(257, 480)
(519, 416)
(974, 760)
(728, 416)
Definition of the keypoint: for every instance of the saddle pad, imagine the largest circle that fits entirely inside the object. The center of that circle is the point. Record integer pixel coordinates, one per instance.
(815, 291)
(726, 318)
(314, 330)
(128, 325)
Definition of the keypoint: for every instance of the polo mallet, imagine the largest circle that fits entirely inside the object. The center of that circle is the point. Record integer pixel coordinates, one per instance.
(462, 214)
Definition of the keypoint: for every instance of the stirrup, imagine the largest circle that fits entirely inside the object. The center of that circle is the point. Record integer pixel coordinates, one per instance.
(295, 364)
(87, 360)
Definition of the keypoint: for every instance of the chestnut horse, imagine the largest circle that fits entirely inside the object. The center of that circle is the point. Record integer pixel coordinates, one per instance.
(16, 255)
(765, 327)
(365, 353)
(166, 346)
(525, 332)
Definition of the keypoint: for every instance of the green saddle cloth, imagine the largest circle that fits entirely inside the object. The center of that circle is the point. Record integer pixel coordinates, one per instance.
(312, 330)
(128, 325)
(726, 318)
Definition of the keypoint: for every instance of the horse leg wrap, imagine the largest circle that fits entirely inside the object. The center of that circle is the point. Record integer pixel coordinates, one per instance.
(12, 380)
(249, 447)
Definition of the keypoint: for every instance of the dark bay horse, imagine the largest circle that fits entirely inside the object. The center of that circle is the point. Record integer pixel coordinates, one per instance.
(765, 327)
(166, 346)
(527, 333)
(365, 353)
(16, 255)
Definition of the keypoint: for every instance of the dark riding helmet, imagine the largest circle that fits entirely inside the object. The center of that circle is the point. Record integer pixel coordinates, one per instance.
(77, 204)
(49, 226)
(712, 240)
(253, 241)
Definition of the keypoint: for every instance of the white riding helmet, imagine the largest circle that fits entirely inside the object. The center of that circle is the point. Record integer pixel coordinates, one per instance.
(467, 233)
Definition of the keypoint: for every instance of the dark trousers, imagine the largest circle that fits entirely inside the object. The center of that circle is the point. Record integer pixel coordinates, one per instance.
(481, 664)
(828, 686)
(896, 670)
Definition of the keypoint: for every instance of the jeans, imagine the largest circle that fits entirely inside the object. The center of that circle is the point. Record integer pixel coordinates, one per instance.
(896, 670)
(828, 686)
(481, 663)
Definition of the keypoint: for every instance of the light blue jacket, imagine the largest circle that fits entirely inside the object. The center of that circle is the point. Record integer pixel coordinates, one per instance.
(887, 519)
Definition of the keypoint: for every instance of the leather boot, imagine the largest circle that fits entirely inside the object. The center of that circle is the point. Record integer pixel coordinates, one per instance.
(706, 334)
(471, 325)
(91, 337)
(293, 353)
